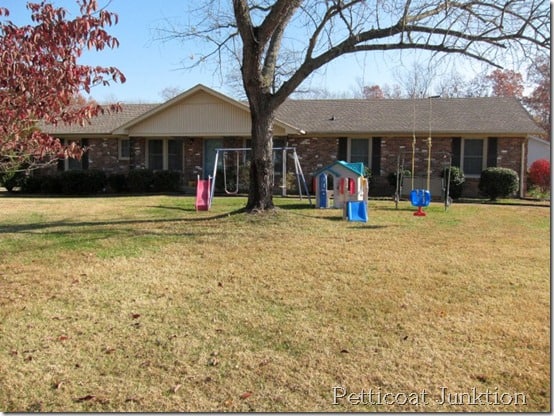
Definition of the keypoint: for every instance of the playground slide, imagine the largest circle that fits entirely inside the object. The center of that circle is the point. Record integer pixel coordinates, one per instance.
(357, 211)
(202, 195)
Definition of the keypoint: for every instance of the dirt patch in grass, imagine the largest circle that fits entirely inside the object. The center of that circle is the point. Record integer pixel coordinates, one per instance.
(142, 304)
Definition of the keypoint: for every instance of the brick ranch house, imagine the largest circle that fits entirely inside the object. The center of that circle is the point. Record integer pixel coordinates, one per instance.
(182, 133)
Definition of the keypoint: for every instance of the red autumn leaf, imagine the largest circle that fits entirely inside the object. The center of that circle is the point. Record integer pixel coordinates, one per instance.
(245, 395)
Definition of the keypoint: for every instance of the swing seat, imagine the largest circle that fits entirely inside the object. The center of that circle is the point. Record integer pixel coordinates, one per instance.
(420, 197)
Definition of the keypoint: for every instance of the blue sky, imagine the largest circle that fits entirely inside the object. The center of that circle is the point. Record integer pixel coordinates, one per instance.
(150, 65)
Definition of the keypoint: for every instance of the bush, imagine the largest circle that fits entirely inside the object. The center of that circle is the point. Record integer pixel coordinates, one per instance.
(166, 181)
(10, 180)
(83, 182)
(391, 177)
(498, 182)
(457, 180)
(140, 181)
(31, 185)
(50, 184)
(539, 174)
(117, 182)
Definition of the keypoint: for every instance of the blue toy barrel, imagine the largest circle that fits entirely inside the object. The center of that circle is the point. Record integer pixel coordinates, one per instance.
(322, 191)
(420, 197)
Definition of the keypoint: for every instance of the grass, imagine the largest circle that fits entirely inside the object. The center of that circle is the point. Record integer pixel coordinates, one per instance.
(142, 304)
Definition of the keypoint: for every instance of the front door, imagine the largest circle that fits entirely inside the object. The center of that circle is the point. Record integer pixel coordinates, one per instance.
(209, 155)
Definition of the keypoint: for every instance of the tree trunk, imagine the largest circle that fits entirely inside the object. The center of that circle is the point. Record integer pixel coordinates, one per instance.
(260, 194)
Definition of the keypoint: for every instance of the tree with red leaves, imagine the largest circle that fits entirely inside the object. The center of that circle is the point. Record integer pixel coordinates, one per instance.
(539, 99)
(373, 92)
(41, 79)
(539, 174)
(506, 83)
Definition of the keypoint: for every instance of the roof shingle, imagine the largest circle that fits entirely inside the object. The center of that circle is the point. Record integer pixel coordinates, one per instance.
(448, 116)
(503, 116)
(103, 124)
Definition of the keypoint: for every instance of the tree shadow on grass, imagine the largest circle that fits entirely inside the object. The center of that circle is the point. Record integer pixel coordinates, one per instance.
(297, 206)
(368, 227)
(38, 226)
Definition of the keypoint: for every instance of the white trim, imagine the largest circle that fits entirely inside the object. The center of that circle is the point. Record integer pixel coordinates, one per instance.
(119, 156)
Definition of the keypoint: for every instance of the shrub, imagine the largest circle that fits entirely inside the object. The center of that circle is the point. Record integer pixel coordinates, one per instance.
(31, 185)
(457, 180)
(83, 182)
(166, 181)
(140, 180)
(391, 177)
(117, 182)
(10, 180)
(498, 182)
(50, 184)
(539, 174)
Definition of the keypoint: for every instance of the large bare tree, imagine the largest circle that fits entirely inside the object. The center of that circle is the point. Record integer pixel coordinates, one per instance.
(263, 35)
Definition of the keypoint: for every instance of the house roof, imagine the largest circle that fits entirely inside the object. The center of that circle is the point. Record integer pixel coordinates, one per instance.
(448, 116)
(188, 111)
(502, 116)
(103, 124)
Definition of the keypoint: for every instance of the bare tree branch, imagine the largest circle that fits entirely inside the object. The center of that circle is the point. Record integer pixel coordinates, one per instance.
(316, 32)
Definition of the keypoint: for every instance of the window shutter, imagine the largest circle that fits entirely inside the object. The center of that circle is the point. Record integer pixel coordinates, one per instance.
(84, 158)
(376, 156)
(492, 152)
(343, 149)
(456, 151)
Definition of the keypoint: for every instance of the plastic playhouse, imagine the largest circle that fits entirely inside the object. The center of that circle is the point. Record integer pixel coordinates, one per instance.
(350, 189)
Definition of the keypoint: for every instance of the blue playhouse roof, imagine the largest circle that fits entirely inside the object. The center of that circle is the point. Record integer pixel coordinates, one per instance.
(340, 168)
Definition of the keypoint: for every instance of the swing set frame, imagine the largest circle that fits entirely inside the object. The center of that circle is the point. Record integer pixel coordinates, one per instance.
(400, 169)
(445, 186)
(301, 180)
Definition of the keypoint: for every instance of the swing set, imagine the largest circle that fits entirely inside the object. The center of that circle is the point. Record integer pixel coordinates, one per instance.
(421, 197)
(233, 165)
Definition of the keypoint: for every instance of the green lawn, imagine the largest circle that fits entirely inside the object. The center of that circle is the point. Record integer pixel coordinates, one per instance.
(143, 304)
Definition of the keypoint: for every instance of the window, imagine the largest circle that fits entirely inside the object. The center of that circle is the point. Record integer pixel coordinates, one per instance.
(359, 151)
(165, 154)
(124, 149)
(156, 154)
(70, 163)
(175, 155)
(279, 164)
(473, 156)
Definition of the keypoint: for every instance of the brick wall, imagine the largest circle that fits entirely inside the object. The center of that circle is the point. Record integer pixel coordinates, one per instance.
(104, 155)
(193, 159)
(392, 147)
(314, 153)
(137, 158)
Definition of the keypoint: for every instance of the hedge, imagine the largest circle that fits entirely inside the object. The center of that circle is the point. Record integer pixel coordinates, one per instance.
(92, 182)
(498, 182)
